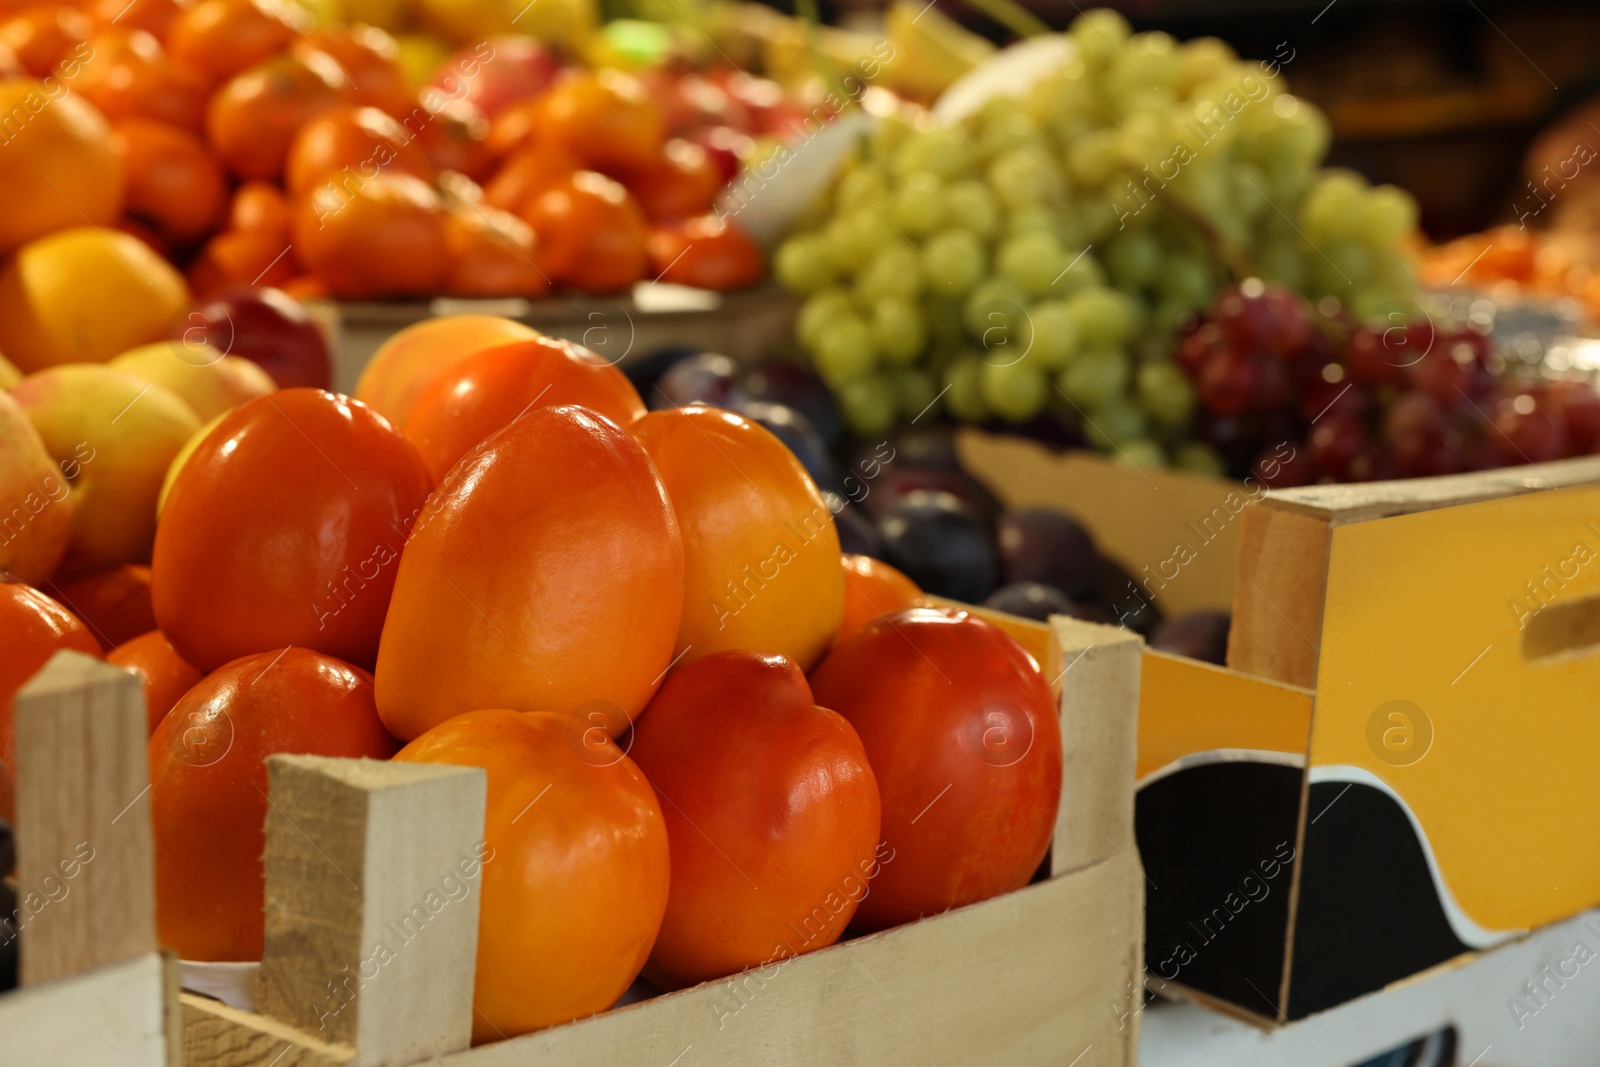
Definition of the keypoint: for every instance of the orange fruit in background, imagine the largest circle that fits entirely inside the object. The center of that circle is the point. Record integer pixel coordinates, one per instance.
(85, 295)
(220, 38)
(492, 253)
(575, 885)
(32, 629)
(260, 206)
(772, 814)
(591, 233)
(348, 145)
(152, 16)
(283, 528)
(172, 181)
(606, 118)
(679, 184)
(486, 391)
(454, 138)
(113, 603)
(382, 236)
(36, 499)
(208, 786)
(527, 173)
(873, 588)
(371, 59)
(59, 164)
(706, 253)
(128, 75)
(44, 36)
(242, 257)
(413, 358)
(253, 118)
(515, 127)
(165, 673)
(761, 555)
(546, 571)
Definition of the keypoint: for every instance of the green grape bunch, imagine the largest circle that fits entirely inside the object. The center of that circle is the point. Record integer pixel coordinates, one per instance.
(1041, 254)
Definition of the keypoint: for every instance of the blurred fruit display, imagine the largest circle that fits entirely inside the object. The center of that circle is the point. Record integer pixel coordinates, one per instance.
(1043, 253)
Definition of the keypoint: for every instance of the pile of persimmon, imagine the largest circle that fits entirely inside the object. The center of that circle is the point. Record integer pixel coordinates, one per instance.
(712, 741)
(257, 149)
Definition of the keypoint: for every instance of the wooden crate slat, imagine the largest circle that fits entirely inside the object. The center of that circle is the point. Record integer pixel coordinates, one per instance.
(115, 1016)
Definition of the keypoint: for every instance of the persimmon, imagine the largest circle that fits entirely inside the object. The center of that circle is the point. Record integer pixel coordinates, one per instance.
(166, 675)
(241, 257)
(253, 118)
(409, 361)
(152, 16)
(114, 603)
(284, 528)
(527, 173)
(605, 117)
(454, 138)
(707, 253)
(208, 786)
(172, 181)
(515, 127)
(260, 206)
(352, 144)
(591, 233)
(486, 391)
(220, 38)
(679, 184)
(575, 866)
(382, 236)
(772, 814)
(127, 74)
(33, 627)
(547, 571)
(964, 739)
(873, 588)
(761, 554)
(42, 37)
(371, 59)
(492, 253)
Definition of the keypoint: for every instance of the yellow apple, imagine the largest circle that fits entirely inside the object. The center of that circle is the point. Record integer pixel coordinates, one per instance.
(113, 435)
(181, 458)
(36, 501)
(9, 374)
(207, 384)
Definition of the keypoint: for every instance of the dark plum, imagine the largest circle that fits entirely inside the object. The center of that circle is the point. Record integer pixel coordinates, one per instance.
(857, 535)
(645, 370)
(902, 478)
(1030, 600)
(940, 544)
(1040, 545)
(703, 378)
(1201, 635)
(1129, 602)
(796, 432)
(796, 385)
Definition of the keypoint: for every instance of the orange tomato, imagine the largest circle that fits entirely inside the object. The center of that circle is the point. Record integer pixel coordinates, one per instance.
(963, 736)
(591, 233)
(679, 184)
(407, 363)
(772, 816)
(167, 676)
(873, 588)
(283, 528)
(707, 253)
(371, 59)
(382, 236)
(485, 392)
(32, 629)
(173, 183)
(761, 555)
(260, 206)
(208, 786)
(547, 571)
(360, 142)
(526, 174)
(252, 119)
(606, 118)
(45, 36)
(454, 138)
(575, 866)
(241, 257)
(492, 253)
(129, 76)
(220, 38)
(113, 603)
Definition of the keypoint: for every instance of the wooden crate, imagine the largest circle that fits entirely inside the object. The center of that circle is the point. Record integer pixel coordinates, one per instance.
(1047, 975)
(95, 989)
(1387, 778)
(745, 325)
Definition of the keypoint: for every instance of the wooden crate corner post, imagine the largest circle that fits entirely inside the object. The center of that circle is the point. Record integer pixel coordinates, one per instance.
(373, 872)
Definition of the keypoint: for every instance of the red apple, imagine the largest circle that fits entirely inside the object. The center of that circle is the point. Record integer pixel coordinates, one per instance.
(268, 327)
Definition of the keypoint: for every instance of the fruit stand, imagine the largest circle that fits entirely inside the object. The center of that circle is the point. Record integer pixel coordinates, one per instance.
(891, 533)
